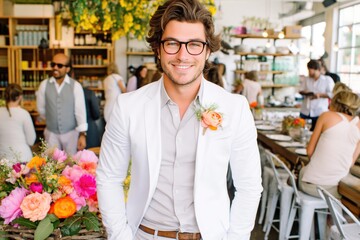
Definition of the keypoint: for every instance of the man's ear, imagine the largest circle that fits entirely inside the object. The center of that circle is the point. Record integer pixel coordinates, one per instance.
(207, 54)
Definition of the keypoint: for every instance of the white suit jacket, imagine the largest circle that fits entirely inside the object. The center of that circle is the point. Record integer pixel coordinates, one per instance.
(134, 132)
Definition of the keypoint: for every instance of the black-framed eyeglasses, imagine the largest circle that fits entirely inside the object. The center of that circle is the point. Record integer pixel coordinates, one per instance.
(59, 65)
(192, 47)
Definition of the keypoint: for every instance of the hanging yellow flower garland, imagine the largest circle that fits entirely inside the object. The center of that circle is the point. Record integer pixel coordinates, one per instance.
(119, 17)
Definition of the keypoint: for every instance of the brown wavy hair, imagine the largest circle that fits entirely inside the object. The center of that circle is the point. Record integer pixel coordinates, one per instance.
(12, 93)
(183, 11)
(346, 102)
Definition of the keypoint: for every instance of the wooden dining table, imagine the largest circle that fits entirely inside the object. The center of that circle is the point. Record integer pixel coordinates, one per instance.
(288, 153)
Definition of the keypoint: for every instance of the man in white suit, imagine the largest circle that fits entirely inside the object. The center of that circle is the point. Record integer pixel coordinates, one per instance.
(180, 134)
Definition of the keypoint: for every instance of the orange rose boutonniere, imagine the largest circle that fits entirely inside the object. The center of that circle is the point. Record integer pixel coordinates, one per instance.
(209, 118)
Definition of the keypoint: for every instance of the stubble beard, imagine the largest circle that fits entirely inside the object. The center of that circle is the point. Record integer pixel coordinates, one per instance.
(178, 83)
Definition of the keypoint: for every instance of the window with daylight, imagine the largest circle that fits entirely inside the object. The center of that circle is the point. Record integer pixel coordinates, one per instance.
(312, 45)
(348, 55)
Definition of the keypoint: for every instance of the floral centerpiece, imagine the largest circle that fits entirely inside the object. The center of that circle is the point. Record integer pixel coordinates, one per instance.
(51, 195)
(120, 18)
(292, 122)
(257, 110)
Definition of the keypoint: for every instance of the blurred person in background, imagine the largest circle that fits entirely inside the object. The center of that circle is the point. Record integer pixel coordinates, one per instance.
(137, 81)
(334, 145)
(60, 101)
(251, 87)
(213, 75)
(339, 86)
(17, 132)
(92, 114)
(325, 71)
(113, 86)
(316, 90)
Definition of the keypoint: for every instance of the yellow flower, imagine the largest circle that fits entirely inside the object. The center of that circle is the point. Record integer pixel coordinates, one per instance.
(120, 17)
(36, 162)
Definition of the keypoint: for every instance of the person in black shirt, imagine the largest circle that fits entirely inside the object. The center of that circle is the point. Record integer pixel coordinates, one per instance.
(325, 71)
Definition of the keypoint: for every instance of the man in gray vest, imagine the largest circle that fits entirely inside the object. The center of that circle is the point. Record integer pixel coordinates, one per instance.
(60, 99)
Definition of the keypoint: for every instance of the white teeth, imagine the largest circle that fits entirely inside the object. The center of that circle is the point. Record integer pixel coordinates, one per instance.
(183, 67)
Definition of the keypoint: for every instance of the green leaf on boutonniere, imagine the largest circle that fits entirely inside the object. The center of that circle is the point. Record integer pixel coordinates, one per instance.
(44, 229)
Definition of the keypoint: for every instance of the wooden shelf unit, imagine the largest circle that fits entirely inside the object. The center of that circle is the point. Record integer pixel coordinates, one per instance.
(273, 55)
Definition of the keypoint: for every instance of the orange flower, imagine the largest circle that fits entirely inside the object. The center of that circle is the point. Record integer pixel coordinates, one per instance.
(64, 207)
(64, 181)
(253, 104)
(36, 162)
(211, 119)
(299, 122)
(51, 210)
(65, 185)
(32, 178)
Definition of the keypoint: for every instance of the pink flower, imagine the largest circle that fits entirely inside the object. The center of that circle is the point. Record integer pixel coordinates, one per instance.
(56, 195)
(36, 187)
(90, 167)
(85, 156)
(80, 201)
(59, 155)
(85, 186)
(17, 172)
(10, 206)
(73, 173)
(35, 206)
(92, 202)
(17, 167)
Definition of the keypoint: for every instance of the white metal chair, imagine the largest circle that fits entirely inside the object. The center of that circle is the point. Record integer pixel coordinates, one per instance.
(307, 206)
(342, 229)
(267, 177)
(277, 188)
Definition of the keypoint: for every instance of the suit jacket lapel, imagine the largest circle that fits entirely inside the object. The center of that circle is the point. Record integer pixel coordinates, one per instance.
(202, 138)
(153, 135)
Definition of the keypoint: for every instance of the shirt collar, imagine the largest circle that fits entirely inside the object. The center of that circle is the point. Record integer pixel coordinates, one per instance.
(66, 79)
(165, 97)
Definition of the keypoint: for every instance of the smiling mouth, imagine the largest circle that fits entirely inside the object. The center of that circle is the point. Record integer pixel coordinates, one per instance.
(182, 66)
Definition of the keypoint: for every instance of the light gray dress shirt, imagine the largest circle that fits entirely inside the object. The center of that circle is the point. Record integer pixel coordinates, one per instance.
(172, 206)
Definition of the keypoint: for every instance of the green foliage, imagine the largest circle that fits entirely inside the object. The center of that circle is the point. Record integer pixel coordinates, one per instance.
(44, 229)
(72, 226)
(91, 222)
(25, 222)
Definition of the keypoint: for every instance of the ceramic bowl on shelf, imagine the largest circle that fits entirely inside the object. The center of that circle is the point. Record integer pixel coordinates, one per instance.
(270, 50)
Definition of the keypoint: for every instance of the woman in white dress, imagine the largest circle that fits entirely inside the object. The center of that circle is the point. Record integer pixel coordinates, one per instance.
(17, 132)
(334, 145)
(113, 86)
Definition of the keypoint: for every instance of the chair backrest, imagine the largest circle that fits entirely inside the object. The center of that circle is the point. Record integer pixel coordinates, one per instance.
(335, 205)
(274, 160)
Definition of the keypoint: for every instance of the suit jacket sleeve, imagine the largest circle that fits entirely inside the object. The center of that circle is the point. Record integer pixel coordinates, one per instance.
(111, 173)
(246, 173)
